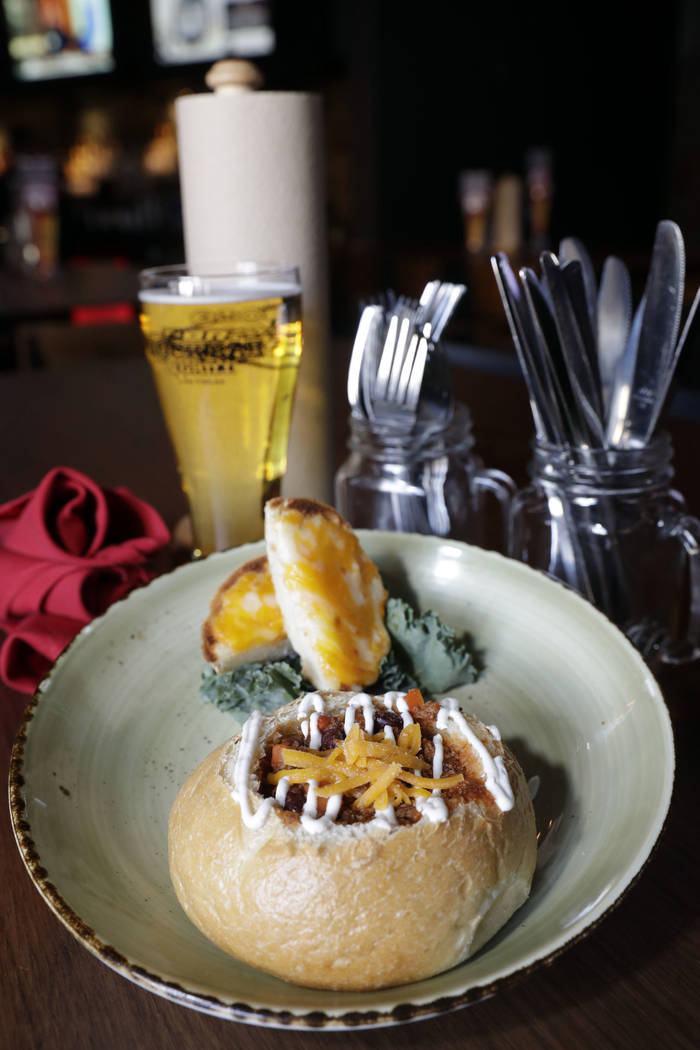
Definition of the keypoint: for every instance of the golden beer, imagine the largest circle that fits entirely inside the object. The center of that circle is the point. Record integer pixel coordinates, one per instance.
(224, 353)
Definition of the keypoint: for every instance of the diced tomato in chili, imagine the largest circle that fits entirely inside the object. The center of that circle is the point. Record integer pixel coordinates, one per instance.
(276, 756)
(414, 698)
(324, 722)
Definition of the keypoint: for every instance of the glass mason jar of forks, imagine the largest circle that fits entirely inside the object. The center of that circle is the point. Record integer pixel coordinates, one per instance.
(429, 482)
(608, 523)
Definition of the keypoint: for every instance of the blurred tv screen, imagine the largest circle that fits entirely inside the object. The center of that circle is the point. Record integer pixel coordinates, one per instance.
(205, 30)
(51, 39)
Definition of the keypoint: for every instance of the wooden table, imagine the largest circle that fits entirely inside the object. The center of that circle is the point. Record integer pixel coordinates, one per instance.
(631, 983)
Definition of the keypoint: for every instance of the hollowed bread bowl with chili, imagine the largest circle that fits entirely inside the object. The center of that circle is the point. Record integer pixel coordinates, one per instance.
(366, 869)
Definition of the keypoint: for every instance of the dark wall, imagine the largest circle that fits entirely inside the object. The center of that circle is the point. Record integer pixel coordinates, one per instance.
(414, 94)
(466, 85)
(437, 87)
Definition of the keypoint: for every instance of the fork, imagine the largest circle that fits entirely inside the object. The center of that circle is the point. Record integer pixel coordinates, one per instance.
(371, 320)
(408, 317)
(439, 309)
(412, 335)
(394, 400)
(396, 346)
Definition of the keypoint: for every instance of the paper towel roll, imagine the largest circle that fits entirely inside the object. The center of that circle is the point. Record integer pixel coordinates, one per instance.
(252, 183)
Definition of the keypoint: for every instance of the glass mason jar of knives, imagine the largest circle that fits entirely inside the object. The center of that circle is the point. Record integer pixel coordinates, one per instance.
(600, 513)
(610, 525)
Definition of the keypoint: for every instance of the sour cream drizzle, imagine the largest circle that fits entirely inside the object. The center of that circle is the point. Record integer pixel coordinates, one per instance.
(281, 791)
(434, 808)
(386, 817)
(309, 809)
(241, 775)
(310, 819)
(495, 772)
(363, 700)
(401, 706)
(309, 726)
(308, 701)
(437, 756)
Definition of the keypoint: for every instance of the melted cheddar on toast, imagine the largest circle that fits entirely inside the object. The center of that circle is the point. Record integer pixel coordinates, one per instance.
(245, 622)
(330, 593)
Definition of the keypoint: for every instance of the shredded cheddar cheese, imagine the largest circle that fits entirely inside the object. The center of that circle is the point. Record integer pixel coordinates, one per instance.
(410, 738)
(390, 773)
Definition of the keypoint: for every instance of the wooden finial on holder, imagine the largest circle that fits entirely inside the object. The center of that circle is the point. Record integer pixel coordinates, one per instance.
(233, 75)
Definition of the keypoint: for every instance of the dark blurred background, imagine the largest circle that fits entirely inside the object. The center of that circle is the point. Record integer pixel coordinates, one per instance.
(452, 130)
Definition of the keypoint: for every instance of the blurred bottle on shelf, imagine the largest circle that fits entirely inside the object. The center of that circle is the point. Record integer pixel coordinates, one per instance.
(508, 212)
(159, 158)
(507, 226)
(92, 156)
(503, 210)
(34, 226)
(475, 197)
(539, 182)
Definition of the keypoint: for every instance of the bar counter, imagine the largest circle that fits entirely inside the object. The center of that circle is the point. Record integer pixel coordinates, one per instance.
(631, 982)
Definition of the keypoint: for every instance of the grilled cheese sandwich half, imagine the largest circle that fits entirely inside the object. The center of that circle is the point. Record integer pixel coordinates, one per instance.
(330, 593)
(245, 622)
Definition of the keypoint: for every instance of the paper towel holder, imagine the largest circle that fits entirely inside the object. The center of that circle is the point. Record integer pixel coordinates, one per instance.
(231, 75)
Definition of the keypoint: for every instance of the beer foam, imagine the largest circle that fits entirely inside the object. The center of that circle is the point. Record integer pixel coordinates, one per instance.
(241, 292)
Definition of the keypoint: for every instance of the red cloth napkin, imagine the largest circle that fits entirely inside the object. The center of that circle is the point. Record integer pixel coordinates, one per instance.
(67, 551)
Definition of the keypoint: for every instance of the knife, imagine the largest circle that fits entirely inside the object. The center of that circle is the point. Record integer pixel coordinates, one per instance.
(575, 354)
(571, 248)
(549, 345)
(613, 318)
(654, 358)
(544, 407)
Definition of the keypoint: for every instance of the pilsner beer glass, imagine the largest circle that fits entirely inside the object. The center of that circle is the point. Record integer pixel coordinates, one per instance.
(224, 351)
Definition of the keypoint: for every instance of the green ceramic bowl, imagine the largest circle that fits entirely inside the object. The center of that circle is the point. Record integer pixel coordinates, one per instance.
(118, 725)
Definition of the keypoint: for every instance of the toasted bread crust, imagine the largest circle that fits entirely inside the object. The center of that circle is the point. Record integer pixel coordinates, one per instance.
(306, 507)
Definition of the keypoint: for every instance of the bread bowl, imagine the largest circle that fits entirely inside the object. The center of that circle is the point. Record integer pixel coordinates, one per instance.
(380, 893)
